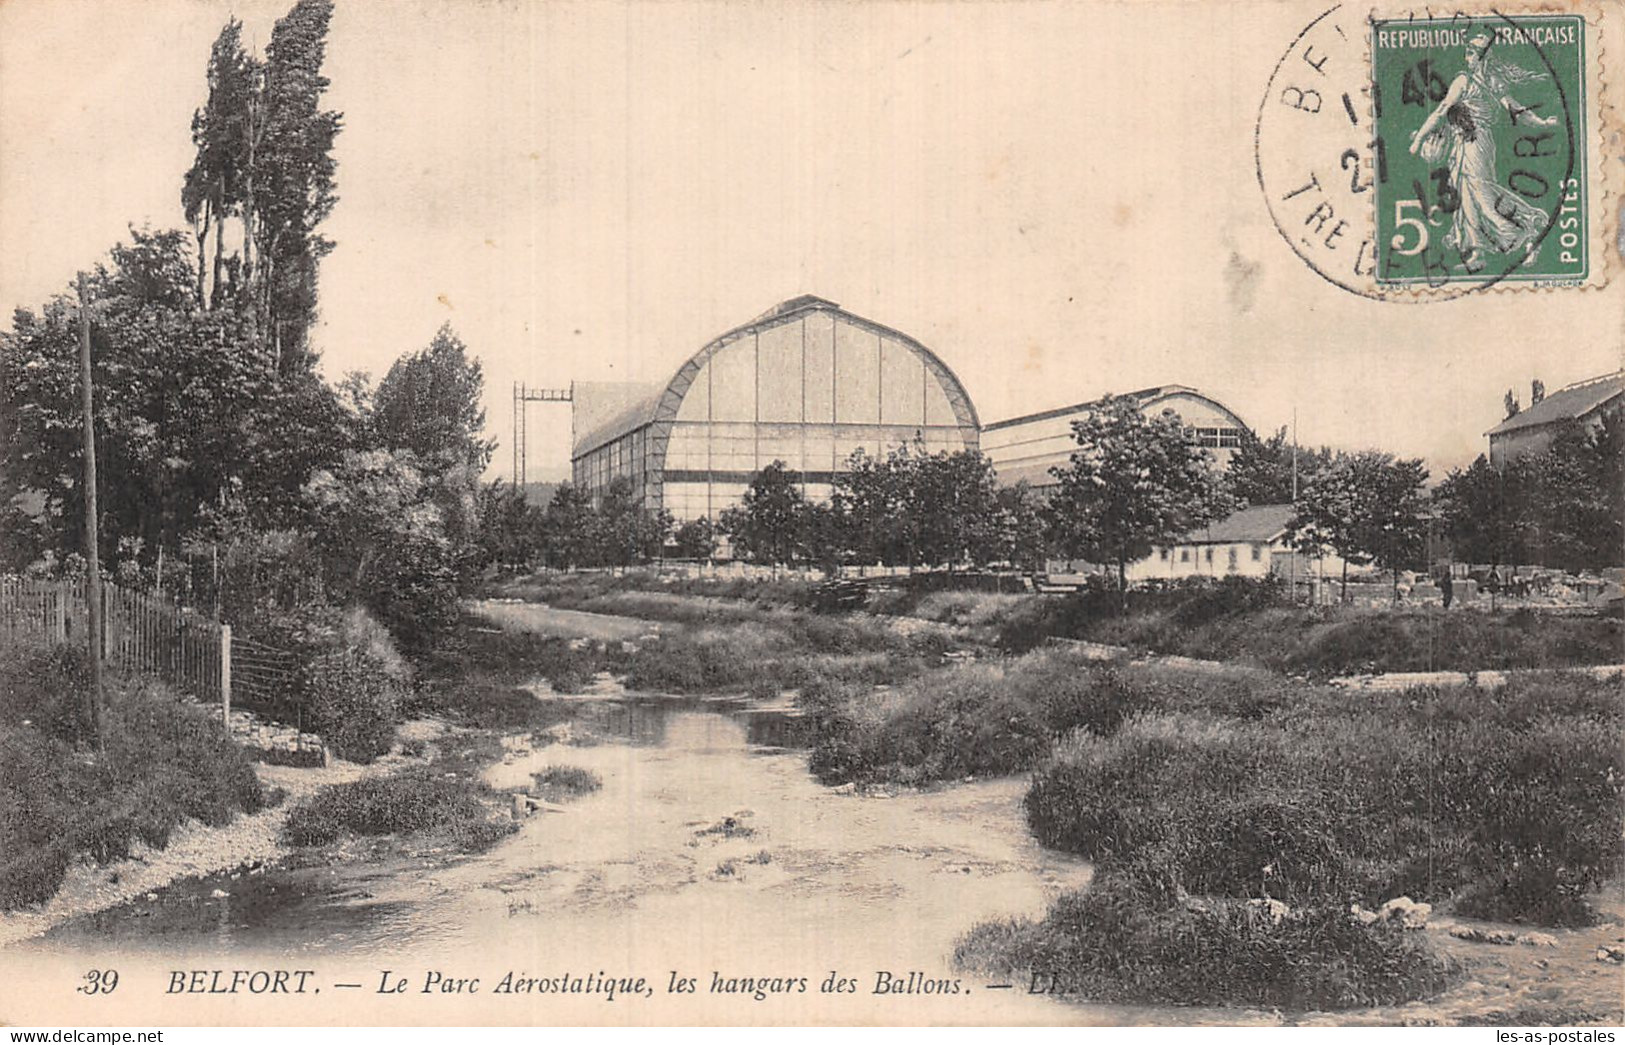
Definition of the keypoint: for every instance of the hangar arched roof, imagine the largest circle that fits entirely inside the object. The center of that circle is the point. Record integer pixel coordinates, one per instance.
(657, 406)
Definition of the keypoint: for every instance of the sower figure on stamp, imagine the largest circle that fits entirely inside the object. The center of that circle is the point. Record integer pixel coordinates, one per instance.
(1488, 215)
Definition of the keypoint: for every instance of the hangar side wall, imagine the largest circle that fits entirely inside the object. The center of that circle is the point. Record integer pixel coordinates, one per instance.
(1026, 448)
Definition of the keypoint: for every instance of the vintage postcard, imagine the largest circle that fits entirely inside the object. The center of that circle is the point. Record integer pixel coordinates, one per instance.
(1059, 512)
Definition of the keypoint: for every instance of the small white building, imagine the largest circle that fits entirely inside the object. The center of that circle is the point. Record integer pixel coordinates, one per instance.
(1249, 543)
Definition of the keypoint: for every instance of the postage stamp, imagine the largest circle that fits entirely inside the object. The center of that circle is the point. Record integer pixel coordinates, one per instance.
(1418, 156)
(1481, 149)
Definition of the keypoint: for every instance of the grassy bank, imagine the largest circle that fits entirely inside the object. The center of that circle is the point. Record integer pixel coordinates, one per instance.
(1244, 623)
(1119, 942)
(61, 800)
(1506, 803)
(1231, 849)
(1235, 817)
(604, 592)
(1005, 715)
(479, 677)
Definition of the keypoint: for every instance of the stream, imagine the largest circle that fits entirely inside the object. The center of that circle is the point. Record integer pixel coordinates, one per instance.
(711, 865)
(710, 854)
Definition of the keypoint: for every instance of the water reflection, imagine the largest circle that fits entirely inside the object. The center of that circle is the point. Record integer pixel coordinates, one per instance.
(693, 725)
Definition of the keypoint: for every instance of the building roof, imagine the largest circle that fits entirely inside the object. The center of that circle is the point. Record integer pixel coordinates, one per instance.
(1261, 522)
(606, 410)
(1567, 403)
(636, 405)
(1143, 396)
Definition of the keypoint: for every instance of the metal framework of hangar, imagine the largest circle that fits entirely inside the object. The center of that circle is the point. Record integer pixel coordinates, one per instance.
(806, 383)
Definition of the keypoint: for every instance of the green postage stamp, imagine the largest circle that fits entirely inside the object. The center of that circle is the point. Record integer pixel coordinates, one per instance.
(1481, 149)
(1415, 155)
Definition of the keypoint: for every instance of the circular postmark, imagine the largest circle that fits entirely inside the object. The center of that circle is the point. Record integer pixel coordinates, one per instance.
(1418, 159)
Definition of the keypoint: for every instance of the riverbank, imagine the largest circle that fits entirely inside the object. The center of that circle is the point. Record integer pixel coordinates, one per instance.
(1496, 801)
(707, 817)
(248, 845)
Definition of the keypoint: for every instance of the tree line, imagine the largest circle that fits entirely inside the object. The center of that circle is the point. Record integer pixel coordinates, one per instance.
(1134, 483)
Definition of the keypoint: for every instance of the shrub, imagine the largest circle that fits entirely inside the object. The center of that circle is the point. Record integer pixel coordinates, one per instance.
(566, 781)
(978, 719)
(1509, 801)
(488, 705)
(350, 683)
(353, 703)
(411, 802)
(1117, 943)
(46, 686)
(704, 664)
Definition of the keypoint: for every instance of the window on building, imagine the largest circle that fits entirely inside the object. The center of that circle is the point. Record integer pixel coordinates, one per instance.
(1210, 555)
(1162, 553)
(1214, 438)
(1231, 558)
(1184, 555)
(1258, 552)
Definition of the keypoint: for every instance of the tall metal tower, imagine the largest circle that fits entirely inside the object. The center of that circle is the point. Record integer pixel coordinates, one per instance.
(521, 396)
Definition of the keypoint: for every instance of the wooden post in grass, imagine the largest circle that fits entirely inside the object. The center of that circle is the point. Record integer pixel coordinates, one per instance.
(225, 678)
(93, 574)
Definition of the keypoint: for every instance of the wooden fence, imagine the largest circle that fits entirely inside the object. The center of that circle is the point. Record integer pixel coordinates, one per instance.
(142, 633)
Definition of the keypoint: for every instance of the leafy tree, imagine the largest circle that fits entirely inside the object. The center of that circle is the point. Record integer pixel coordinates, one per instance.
(214, 186)
(189, 416)
(1576, 495)
(623, 531)
(429, 403)
(383, 542)
(696, 539)
(264, 154)
(291, 169)
(1135, 482)
(566, 528)
(508, 527)
(1018, 534)
(768, 523)
(1486, 512)
(1368, 507)
(951, 500)
(1562, 506)
(823, 535)
(868, 500)
(1261, 470)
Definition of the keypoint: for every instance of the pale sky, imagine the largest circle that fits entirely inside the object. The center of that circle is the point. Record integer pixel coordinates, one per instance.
(1058, 198)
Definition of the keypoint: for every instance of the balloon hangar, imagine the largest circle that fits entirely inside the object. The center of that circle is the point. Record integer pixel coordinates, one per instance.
(807, 383)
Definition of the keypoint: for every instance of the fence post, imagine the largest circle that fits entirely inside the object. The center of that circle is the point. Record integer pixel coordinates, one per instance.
(59, 618)
(225, 677)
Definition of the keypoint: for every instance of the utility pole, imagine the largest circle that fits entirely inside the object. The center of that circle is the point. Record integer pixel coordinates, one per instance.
(1293, 560)
(93, 575)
